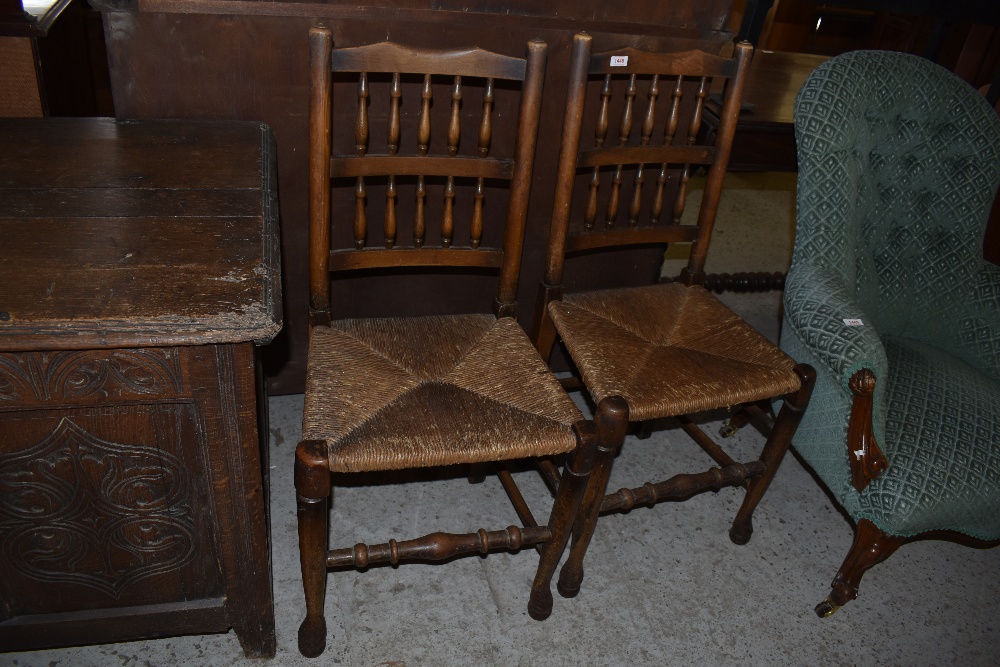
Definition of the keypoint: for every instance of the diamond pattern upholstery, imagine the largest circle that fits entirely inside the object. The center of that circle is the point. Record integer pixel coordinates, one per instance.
(899, 162)
(930, 486)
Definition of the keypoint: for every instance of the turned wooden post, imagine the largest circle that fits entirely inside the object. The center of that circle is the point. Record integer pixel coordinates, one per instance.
(611, 421)
(312, 488)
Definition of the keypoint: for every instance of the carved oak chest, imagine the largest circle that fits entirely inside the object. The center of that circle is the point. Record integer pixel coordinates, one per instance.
(138, 271)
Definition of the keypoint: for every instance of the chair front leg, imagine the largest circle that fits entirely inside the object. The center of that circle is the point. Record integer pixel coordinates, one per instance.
(576, 473)
(774, 451)
(312, 486)
(611, 421)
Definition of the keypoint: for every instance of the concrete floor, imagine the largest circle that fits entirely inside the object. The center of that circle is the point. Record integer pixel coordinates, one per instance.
(663, 586)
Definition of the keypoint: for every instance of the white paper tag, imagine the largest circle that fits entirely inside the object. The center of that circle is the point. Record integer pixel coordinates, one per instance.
(854, 323)
(619, 61)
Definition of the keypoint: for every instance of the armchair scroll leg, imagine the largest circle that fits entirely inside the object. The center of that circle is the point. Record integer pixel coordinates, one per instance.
(611, 421)
(871, 546)
(576, 474)
(312, 485)
(774, 451)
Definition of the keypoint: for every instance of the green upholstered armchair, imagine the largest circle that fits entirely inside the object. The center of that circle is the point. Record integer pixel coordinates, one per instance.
(889, 298)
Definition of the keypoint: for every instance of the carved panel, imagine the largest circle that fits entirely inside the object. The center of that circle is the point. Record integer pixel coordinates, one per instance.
(76, 508)
(89, 376)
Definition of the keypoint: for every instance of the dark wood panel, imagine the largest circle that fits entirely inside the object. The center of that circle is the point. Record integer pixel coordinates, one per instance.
(123, 154)
(125, 512)
(29, 633)
(30, 380)
(773, 83)
(156, 280)
(100, 202)
(765, 134)
(141, 243)
(654, 18)
(105, 293)
(237, 473)
(103, 508)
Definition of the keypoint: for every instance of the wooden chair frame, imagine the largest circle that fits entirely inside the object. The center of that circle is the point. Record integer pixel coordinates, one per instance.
(613, 412)
(313, 457)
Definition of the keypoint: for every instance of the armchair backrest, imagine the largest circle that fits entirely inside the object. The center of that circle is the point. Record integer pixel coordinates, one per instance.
(899, 162)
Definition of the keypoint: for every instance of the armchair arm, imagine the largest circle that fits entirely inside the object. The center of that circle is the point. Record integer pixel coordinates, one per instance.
(816, 304)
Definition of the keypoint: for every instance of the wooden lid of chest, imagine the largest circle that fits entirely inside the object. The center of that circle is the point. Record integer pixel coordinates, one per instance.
(137, 233)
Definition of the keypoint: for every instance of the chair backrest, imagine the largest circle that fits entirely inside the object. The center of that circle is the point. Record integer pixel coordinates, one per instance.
(899, 162)
(660, 142)
(413, 164)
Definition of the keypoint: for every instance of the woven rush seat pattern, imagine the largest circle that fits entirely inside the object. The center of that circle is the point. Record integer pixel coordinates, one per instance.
(669, 350)
(395, 393)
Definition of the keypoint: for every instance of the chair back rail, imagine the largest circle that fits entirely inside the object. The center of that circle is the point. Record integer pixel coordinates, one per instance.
(401, 170)
(660, 141)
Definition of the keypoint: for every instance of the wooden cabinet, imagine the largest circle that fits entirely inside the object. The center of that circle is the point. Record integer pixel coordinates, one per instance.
(139, 269)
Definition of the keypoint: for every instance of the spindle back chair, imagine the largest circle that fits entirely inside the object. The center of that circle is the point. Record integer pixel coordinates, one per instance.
(669, 349)
(661, 151)
(411, 392)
